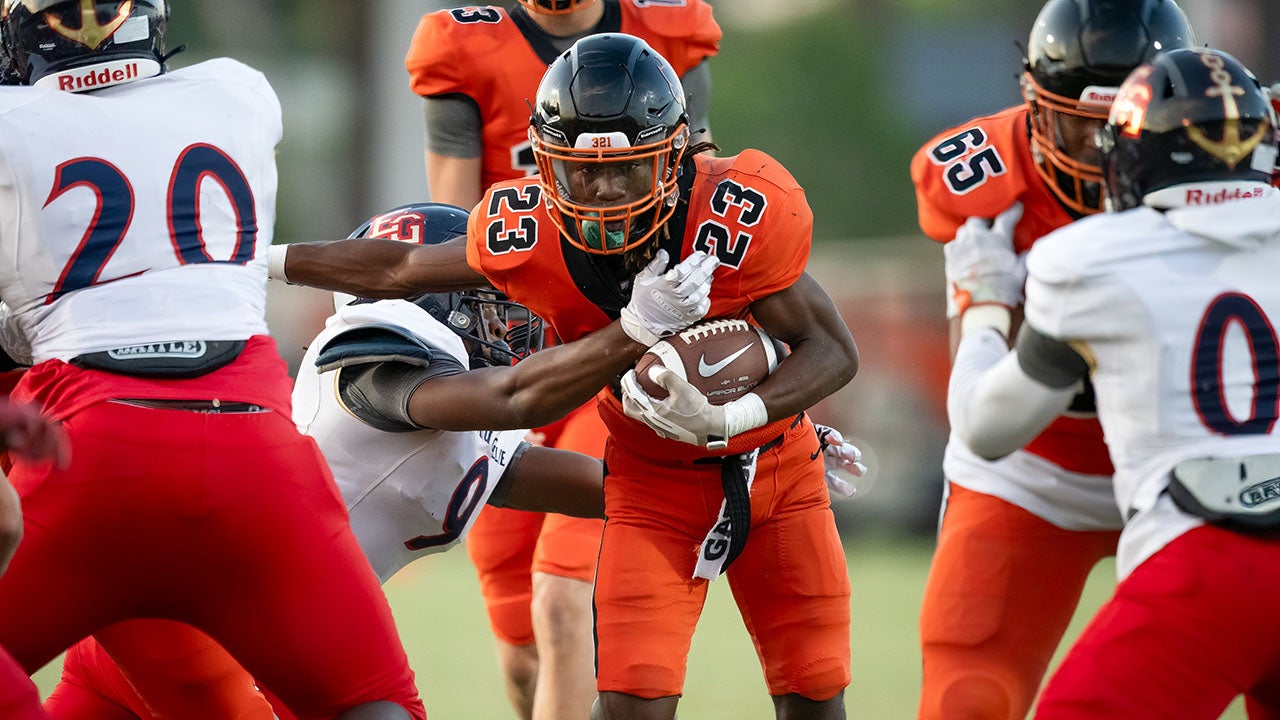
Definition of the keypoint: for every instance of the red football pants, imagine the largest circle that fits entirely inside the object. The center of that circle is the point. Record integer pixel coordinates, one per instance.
(1190, 629)
(228, 522)
(18, 697)
(174, 666)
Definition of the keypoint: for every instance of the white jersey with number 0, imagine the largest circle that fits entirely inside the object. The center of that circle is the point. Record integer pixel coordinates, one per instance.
(1179, 312)
(138, 213)
(412, 493)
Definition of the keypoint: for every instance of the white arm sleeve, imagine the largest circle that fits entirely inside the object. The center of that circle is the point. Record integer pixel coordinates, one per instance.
(994, 407)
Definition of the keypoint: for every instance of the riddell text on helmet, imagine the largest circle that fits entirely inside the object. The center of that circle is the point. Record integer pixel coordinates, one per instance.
(1200, 197)
(98, 77)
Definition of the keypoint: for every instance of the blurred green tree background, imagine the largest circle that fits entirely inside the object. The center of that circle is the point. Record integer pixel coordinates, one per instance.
(840, 91)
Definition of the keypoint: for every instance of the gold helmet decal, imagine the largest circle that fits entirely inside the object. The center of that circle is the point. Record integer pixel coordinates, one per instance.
(91, 33)
(1231, 149)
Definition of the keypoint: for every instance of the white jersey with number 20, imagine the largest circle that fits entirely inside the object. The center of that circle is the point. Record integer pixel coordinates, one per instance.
(138, 213)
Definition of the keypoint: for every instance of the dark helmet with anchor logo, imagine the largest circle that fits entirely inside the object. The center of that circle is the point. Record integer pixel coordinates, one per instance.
(79, 45)
(1191, 127)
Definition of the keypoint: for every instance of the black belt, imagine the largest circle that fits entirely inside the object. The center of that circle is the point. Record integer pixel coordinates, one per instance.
(737, 500)
(200, 406)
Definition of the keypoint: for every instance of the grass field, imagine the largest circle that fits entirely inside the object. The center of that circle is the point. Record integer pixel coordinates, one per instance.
(438, 608)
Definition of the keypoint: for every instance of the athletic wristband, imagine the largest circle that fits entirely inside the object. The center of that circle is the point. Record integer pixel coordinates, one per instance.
(986, 315)
(275, 262)
(746, 413)
(635, 329)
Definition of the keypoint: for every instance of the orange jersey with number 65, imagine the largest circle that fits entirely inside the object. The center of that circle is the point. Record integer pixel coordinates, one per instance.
(979, 169)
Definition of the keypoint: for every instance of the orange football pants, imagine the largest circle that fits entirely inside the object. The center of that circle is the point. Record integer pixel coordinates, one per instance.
(507, 546)
(791, 583)
(1002, 588)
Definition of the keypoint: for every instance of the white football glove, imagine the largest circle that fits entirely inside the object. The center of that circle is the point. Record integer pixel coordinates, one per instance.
(982, 267)
(840, 458)
(663, 303)
(686, 415)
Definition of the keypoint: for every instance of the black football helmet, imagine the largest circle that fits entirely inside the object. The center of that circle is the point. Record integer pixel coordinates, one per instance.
(80, 45)
(609, 131)
(554, 7)
(1195, 124)
(495, 330)
(1078, 54)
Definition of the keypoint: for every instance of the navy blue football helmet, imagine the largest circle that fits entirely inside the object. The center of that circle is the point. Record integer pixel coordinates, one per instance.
(495, 330)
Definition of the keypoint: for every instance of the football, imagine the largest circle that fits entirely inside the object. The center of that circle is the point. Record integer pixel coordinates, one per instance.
(724, 359)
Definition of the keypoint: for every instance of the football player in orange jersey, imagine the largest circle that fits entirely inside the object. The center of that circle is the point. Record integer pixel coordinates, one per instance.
(1019, 535)
(740, 489)
(391, 427)
(477, 68)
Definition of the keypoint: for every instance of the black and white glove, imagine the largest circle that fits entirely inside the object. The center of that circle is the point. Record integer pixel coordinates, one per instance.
(686, 415)
(842, 460)
(984, 270)
(664, 303)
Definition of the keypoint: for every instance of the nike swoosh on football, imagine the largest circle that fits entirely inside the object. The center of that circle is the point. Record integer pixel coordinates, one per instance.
(707, 371)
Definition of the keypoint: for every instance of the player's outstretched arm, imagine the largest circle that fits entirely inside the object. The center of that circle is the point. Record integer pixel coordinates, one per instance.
(374, 268)
(398, 387)
(545, 479)
(994, 404)
(548, 384)
(536, 391)
(997, 400)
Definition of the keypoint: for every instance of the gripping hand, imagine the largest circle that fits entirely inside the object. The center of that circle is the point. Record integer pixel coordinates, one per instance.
(26, 433)
(982, 267)
(686, 415)
(663, 303)
(841, 459)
